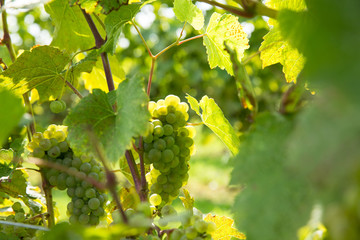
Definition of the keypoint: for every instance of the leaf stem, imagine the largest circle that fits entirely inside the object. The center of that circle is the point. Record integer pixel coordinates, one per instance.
(6, 38)
(153, 60)
(192, 38)
(99, 41)
(231, 9)
(144, 189)
(73, 89)
(100, 21)
(24, 225)
(142, 38)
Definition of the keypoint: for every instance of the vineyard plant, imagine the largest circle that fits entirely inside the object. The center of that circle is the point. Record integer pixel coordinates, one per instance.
(108, 103)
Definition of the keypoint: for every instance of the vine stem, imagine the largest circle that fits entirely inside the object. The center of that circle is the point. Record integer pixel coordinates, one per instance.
(31, 127)
(24, 225)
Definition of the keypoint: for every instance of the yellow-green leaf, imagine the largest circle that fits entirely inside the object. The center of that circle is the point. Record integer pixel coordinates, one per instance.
(212, 116)
(187, 200)
(186, 11)
(275, 49)
(221, 29)
(224, 228)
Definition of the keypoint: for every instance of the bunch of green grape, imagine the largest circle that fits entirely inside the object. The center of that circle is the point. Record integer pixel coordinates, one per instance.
(14, 232)
(192, 225)
(87, 202)
(167, 148)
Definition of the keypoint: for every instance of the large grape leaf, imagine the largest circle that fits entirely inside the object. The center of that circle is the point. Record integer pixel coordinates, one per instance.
(274, 196)
(11, 110)
(221, 29)
(114, 23)
(224, 228)
(45, 71)
(113, 130)
(186, 11)
(276, 49)
(212, 116)
(71, 29)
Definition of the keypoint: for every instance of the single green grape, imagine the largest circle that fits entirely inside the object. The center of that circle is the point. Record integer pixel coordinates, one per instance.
(94, 203)
(191, 232)
(84, 219)
(57, 106)
(155, 199)
(19, 217)
(16, 207)
(168, 129)
(201, 226)
(158, 131)
(85, 167)
(45, 144)
(54, 152)
(172, 100)
(167, 155)
(168, 210)
(90, 193)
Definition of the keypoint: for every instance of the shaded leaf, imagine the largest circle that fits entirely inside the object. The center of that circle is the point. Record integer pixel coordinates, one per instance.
(114, 131)
(224, 228)
(6, 156)
(186, 11)
(273, 196)
(212, 116)
(11, 111)
(221, 29)
(114, 23)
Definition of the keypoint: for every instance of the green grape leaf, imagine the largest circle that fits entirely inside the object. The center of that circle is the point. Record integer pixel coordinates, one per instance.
(212, 116)
(276, 49)
(6, 156)
(71, 29)
(114, 23)
(12, 182)
(244, 86)
(187, 200)
(97, 79)
(113, 130)
(269, 186)
(45, 71)
(186, 11)
(11, 111)
(221, 29)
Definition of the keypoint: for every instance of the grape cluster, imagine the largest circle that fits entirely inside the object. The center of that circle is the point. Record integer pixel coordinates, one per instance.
(87, 202)
(14, 232)
(192, 225)
(168, 147)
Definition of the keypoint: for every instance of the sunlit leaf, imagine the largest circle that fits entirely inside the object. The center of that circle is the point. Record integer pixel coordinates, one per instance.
(71, 29)
(186, 11)
(221, 29)
(45, 70)
(224, 228)
(11, 110)
(187, 200)
(212, 116)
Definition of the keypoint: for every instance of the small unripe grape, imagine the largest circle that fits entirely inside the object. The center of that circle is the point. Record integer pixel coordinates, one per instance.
(168, 210)
(155, 199)
(167, 155)
(183, 107)
(168, 129)
(156, 122)
(90, 193)
(16, 207)
(76, 162)
(45, 144)
(84, 219)
(191, 233)
(171, 118)
(31, 146)
(149, 138)
(160, 144)
(37, 137)
(79, 203)
(94, 220)
(56, 107)
(151, 106)
(172, 100)
(85, 167)
(158, 131)
(70, 192)
(19, 217)
(170, 141)
(154, 155)
(201, 226)
(79, 192)
(162, 179)
(54, 152)
(94, 203)
(85, 209)
(73, 219)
